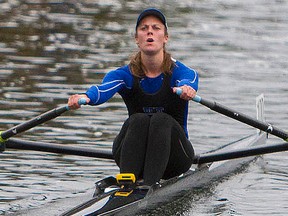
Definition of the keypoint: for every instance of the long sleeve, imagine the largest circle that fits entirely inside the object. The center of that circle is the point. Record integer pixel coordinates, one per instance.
(183, 75)
(112, 83)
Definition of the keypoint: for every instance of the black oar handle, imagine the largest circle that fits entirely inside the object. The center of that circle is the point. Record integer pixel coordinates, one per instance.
(239, 116)
(4, 135)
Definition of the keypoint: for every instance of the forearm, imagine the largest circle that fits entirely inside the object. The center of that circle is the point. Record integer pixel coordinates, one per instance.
(101, 93)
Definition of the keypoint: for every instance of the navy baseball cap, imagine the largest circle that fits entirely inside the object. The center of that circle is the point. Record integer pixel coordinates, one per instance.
(152, 12)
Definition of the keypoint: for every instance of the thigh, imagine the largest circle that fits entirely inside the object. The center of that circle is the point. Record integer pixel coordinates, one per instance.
(181, 155)
(132, 129)
(165, 127)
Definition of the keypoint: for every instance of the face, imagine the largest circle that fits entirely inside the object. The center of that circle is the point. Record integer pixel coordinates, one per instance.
(151, 35)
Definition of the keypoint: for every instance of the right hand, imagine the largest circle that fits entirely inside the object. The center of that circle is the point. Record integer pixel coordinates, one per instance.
(187, 92)
(73, 101)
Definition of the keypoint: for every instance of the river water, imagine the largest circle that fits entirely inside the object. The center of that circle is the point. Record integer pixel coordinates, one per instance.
(50, 49)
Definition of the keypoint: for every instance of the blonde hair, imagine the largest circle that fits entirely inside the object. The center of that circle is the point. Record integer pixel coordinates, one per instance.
(138, 69)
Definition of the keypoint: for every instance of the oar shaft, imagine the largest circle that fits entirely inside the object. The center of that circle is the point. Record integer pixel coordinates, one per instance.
(244, 118)
(57, 148)
(105, 154)
(4, 135)
(252, 151)
(33, 122)
(239, 116)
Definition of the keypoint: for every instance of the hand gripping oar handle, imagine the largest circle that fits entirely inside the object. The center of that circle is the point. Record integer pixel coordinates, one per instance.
(4, 135)
(196, 98)
(239, 116)
(82, 101)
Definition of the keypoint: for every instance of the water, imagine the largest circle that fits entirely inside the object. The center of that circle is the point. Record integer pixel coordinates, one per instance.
(52, 49)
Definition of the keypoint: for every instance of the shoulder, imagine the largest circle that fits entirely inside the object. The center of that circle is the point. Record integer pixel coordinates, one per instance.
(181, 69)
(119, 73)
(184, 75)
(122, 70)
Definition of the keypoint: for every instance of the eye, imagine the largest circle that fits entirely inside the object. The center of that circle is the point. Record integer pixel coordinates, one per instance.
(156, 27)
(144, 27)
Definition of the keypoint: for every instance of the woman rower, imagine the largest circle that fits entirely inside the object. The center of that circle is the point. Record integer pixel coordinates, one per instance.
(153, 142)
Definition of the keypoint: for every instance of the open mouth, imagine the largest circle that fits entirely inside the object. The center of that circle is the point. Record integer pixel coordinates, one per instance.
(150, 40)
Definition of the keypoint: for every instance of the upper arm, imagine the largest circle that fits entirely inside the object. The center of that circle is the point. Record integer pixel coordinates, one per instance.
(113, 82)
(183, 75)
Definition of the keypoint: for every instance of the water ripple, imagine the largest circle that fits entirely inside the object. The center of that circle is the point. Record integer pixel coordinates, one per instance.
(51, 49)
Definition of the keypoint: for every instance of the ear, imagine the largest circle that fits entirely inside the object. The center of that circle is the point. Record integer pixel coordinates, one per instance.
(136, 39)
(166, 37)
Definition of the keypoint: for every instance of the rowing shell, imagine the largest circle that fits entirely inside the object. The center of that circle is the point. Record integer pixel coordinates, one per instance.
(143, 200)
(107, 201)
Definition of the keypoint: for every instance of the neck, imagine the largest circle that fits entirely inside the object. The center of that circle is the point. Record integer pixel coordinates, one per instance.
(152, 64)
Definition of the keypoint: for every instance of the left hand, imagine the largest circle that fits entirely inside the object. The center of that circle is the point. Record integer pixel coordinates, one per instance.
(187, 92)
(73, 101)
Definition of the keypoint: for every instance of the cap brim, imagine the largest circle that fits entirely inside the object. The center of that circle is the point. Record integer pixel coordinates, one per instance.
(151, 12)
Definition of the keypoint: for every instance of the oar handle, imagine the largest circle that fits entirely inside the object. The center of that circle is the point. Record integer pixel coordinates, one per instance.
(82, 101)
(196, 98)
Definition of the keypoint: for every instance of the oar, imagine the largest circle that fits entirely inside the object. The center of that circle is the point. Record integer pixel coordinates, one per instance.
(239, 116)
(5, 135)
(57, 148)
(240, 153)
(88, 152)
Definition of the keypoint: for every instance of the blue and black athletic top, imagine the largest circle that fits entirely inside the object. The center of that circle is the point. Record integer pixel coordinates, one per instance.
(147, 95)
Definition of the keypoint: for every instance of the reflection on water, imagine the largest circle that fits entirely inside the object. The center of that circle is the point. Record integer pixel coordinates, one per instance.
(51, 49)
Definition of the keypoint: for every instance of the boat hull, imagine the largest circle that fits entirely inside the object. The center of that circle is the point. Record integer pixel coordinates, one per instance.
(170, 190)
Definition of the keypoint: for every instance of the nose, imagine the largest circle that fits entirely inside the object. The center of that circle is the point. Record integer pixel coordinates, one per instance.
(150, 32)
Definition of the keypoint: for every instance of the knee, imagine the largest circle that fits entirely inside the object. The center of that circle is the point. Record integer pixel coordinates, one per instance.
(163, 119)
(138, 120)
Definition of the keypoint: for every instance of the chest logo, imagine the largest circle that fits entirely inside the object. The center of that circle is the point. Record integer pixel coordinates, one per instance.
(153, 109)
